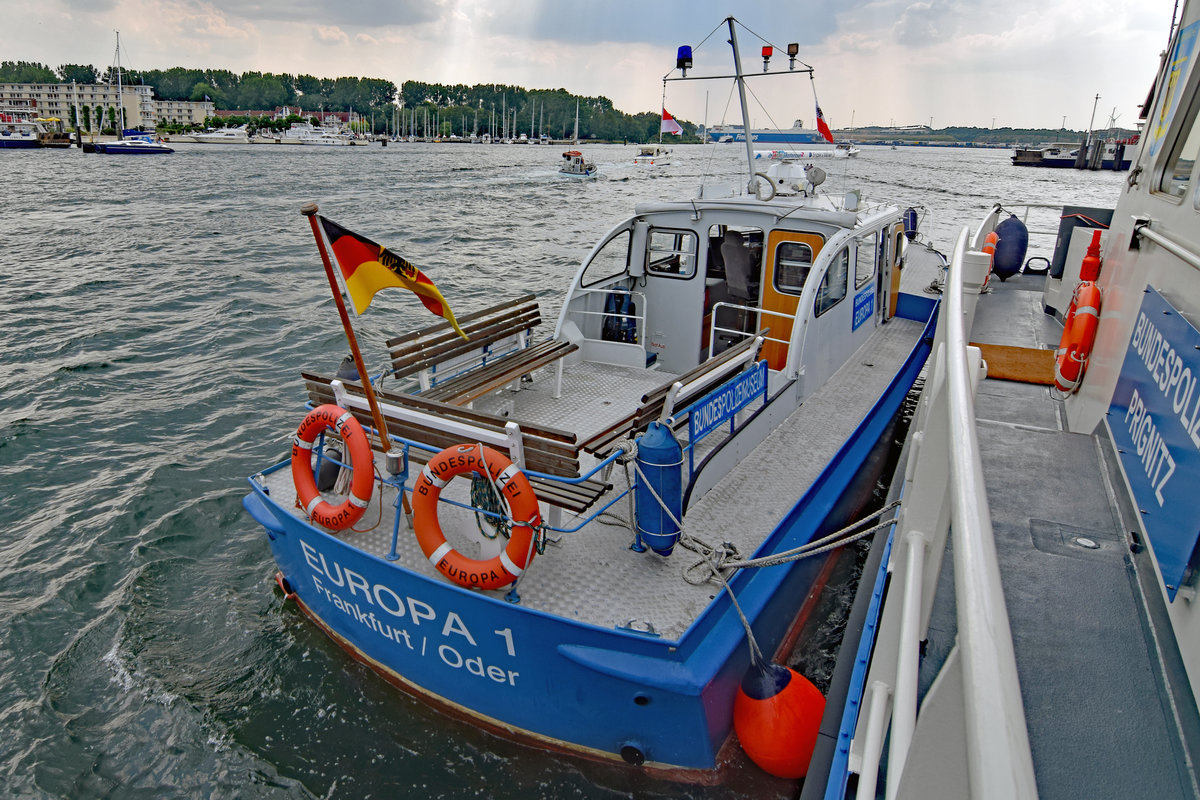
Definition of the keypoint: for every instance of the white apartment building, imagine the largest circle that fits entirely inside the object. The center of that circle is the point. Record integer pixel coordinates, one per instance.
(141, 109)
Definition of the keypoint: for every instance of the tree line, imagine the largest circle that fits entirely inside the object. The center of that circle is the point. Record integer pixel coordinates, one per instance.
(483, 108)
(226, 89)
(455, 108)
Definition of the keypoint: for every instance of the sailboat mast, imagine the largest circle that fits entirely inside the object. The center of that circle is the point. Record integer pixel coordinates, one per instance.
(120, 100)
(741, 84)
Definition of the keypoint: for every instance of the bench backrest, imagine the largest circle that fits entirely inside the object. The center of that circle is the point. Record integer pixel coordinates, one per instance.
(547, 450)
(492, 332)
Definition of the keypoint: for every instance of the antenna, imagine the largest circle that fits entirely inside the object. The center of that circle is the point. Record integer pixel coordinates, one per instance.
(684, 61)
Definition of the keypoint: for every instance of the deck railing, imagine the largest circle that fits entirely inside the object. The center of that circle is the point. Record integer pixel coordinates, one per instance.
(968, 737)
(1038, 237)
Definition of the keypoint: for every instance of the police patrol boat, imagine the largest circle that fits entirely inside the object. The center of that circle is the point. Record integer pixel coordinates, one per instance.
(613, 525)
(1033, 630)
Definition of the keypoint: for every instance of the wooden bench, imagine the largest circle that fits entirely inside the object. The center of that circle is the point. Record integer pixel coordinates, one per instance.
(498, 352)
(694, 384)
(431, 422)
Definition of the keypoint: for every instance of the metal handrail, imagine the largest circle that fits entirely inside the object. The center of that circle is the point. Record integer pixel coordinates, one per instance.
(1141, 228)
(999, 761)
(944, 495)
(639, 318)
(1023, 209)
(714, 328)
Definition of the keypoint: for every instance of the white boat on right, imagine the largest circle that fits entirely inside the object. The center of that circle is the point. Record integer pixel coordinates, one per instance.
(653, 155)
(1033, 628)
(308, 134)
(235, 135)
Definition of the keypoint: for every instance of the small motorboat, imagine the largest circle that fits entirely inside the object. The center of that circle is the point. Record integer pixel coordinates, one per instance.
(653, 155)
(576, 166)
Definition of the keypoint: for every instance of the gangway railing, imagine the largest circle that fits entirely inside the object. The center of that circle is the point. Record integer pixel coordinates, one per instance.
(968, 738)
(739, 333)
(1021, 210)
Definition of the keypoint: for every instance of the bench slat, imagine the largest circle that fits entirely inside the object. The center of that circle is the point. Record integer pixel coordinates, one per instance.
(422, 353)
(422, 348)
(478, 382)
(536, 459)
(574, 497)
(463, 321)
(471, 416)
(562, 454)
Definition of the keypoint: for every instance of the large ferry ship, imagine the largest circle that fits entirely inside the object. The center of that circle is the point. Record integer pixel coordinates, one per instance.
(797, 134)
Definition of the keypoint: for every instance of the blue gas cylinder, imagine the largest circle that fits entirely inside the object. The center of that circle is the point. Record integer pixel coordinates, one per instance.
(660, 460)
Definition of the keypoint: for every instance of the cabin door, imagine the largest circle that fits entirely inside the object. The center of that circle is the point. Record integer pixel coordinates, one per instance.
(844, 310)
(888, 285)
(674, 292)
(790, 256)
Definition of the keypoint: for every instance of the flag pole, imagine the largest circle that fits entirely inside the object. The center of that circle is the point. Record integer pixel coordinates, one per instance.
(310, 210)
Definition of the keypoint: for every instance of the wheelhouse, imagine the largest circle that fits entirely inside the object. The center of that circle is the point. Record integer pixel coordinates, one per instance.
(679, 283)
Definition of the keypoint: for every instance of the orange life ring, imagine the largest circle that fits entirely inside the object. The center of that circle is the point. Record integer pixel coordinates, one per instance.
(345, 425)
(1079, 333)
(522, 502)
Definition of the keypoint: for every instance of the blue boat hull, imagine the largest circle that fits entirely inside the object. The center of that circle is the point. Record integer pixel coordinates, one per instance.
(607, 693)
(12, 143)
(131, 150)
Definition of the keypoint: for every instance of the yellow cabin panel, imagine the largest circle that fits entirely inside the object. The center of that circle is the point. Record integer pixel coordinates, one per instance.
(789, 259)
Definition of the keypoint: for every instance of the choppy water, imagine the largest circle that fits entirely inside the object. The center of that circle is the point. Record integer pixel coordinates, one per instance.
(156, 313)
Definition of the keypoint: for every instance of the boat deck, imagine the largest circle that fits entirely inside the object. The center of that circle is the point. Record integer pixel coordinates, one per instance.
(1095, 679)
(596, 578)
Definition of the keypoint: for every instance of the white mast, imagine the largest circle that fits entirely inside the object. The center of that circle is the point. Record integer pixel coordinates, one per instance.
(120, 101)
(684, 63)
(741, 84)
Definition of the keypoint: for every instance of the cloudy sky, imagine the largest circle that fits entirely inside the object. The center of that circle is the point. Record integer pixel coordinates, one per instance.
(1021, 63)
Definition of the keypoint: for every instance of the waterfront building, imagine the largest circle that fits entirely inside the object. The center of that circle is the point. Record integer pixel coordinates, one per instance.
(141, 109)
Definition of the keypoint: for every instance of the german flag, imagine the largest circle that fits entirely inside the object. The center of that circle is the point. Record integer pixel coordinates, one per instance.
(367, 267)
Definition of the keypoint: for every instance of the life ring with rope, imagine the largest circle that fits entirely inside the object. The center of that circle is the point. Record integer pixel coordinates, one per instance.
(1079, 333)
(502, 569)
(343, 423)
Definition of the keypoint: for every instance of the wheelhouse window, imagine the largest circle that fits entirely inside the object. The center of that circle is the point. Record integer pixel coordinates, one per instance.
(671, 253)
(864, 261)
(793, 260)
(833, 285)
(610, 262)
(1178, 174)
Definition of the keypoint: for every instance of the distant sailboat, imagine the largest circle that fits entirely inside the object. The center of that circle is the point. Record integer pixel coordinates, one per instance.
(129, 141)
